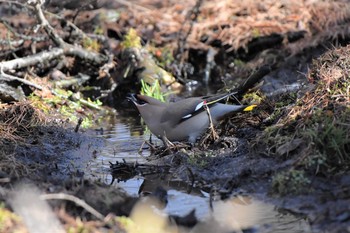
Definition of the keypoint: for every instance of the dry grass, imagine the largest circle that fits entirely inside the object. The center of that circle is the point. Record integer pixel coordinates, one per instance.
(235, 23)
(17, 122)
(320, 118)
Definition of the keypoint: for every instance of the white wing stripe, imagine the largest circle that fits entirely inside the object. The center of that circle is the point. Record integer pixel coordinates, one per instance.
(199, 106)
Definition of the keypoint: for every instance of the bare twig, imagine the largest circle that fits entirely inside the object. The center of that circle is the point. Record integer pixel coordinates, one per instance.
(77, 201)
(69, 23)
(211, 125)
(65, 49)
(77, 80)
(212, 132)
(69, 49)
(7, 77)
(104, 70)
(47, 27)
(32, 60)
(78, 124)
(84, 54)
(84, 102)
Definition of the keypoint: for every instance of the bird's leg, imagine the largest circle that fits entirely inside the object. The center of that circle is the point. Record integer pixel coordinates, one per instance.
(150, 138)
(153, 147)
(171, 146)
(141, 147)
(150, 144)
(211, 125)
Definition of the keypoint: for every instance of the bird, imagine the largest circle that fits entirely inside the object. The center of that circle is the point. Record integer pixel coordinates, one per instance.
(184, 120)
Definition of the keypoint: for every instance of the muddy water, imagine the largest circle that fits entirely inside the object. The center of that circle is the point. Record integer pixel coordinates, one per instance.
(123, 138)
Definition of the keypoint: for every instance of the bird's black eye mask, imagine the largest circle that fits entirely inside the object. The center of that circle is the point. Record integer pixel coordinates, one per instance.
(135, 100)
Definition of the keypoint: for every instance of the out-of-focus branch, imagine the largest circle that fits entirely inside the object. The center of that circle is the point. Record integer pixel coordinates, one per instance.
(34, 59)
(68, 48)
(64, 48)
(7, 77)
(22, 36)
(77, 201)
(47, 27)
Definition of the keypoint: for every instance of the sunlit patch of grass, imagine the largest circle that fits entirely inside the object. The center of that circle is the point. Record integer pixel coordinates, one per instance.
(66, 105)
(152, 90)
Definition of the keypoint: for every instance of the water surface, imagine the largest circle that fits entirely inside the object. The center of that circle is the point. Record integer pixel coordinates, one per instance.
(123, 137)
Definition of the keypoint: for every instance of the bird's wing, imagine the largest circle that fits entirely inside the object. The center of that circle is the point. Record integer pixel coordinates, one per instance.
(217, 98)
(182, 110)
(189, 107)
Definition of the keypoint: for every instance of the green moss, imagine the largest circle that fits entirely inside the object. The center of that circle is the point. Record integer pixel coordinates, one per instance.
(238, 63)
(67, 105)
(163, 55)
(330, 139)
(290, 182)
(131, 40)
(126, 223)
(197, 161)
(91, 44)
(256, 32)
(254, 97)
(200, 158)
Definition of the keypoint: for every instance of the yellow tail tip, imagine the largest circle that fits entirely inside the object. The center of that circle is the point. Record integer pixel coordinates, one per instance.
(249, 108)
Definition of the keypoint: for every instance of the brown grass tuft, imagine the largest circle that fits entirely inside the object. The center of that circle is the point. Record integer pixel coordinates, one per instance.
(320, 119)
(17, 121)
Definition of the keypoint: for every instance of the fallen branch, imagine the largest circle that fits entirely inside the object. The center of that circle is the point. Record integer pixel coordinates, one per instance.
(8, 78)
(77, 201)
(76, 97)
(34, 59)
(77, 80)
(44, 56)
(46, 25)
(84, 54)
(68, 48)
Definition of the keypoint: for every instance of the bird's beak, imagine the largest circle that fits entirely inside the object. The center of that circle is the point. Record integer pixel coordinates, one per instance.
(137, 101)
(132, 97)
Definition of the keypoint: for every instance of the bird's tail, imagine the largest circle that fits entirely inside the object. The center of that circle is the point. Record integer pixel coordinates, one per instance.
(249, 108)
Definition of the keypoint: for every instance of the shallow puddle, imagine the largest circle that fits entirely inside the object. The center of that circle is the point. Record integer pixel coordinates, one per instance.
(123, 139)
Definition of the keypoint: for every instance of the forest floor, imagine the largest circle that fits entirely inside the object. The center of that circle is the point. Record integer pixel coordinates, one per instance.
(292, 150)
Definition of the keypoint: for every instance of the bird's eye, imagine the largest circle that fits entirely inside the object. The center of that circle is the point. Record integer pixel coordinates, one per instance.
(141, 102)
